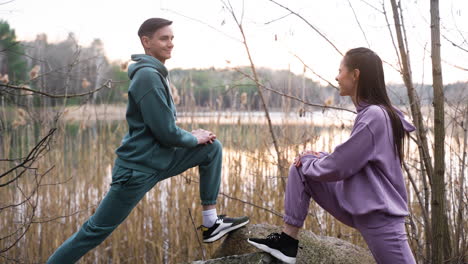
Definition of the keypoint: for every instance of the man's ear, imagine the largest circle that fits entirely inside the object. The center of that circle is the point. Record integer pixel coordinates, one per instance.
(145, 41)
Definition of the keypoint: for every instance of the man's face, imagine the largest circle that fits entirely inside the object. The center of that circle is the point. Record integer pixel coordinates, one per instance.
(160, 44)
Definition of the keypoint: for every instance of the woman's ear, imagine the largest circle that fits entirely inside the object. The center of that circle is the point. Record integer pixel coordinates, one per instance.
(356, 73)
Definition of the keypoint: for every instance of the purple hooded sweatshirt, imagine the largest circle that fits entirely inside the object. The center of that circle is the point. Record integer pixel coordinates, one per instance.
(366, 168)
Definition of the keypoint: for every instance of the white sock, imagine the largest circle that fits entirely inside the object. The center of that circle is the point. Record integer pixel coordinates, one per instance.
(209, 217)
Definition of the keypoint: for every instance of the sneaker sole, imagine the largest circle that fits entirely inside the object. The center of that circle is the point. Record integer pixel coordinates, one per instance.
(275, 253)
(224, 232)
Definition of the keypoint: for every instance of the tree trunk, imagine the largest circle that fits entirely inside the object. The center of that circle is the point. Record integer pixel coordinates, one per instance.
(439, 218)
(412, 95)
(458, 240)
(422, 142)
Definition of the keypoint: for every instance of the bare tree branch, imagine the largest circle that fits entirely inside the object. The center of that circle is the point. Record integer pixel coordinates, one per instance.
(316, 74)
(359, 24)
(323, 35)
(252, 204)
(107, 84)
(50, 219)
(58, 70)
(9, 47)
(27, 198)
(291, 96)
(453, 43)
(6, 50)
(412, 95)
(7, 2)
(417, 193)
(310, 25)
(372, 6)
(30, 158)
(202, 249)
(277, 19)
(307, 103)
(391, 34)
(25, 226)
(456, 27)
(259, 88)
(203, 23)
(455, 66)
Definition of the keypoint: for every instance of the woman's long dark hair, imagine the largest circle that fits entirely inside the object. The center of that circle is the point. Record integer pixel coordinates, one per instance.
(371, 89)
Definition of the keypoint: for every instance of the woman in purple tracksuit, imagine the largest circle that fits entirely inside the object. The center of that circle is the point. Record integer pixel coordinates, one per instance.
(361, 182)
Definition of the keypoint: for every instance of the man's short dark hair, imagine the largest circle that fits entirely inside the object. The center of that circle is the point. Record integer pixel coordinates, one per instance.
(151, 25)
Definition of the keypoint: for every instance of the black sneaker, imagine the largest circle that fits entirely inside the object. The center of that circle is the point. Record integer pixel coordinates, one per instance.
(222, 226)
(280, 246)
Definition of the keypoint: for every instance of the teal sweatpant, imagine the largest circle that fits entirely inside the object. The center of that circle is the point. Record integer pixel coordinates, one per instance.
(129, 186)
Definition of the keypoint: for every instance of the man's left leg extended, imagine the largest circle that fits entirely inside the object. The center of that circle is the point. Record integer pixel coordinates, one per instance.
(208, 158)
(127, 188)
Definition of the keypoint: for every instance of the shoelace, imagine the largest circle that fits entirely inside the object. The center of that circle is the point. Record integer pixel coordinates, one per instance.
(274, 236)
(221, 216)
(204, 228)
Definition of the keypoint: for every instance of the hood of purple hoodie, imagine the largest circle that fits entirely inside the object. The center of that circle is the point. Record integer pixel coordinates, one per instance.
(407, 126)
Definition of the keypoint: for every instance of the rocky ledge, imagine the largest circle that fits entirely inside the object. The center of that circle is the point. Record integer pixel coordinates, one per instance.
(313, 249)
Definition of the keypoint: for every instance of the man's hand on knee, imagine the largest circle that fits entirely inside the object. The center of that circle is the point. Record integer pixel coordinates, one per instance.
(204, 136)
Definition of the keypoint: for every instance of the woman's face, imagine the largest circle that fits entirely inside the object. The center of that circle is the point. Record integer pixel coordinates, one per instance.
(347, 80)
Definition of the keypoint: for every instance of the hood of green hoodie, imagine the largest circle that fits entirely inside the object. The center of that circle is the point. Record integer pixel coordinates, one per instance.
(143, 60)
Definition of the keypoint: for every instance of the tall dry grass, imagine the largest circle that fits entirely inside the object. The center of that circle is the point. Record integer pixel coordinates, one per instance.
(160, 229)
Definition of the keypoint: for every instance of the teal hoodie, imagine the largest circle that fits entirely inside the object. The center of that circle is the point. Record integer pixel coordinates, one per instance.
(153, 135)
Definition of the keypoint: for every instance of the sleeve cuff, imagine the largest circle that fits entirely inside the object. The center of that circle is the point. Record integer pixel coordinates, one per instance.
(308, 157)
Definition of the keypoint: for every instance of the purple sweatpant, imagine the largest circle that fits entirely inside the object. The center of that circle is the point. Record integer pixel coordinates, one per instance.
(385, 235)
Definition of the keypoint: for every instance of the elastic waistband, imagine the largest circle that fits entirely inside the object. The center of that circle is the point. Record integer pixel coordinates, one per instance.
(131, 165)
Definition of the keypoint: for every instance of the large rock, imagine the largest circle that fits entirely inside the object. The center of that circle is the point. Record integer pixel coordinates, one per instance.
(314, 249)
(252, 258)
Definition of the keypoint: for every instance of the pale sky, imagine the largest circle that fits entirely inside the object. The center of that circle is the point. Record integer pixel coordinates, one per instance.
(206, 35)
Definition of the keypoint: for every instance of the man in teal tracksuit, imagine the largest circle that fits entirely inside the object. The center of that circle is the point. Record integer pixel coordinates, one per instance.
(154, 149)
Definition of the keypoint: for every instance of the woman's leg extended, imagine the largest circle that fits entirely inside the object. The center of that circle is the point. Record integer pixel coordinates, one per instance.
(127, 189)
(386, 238)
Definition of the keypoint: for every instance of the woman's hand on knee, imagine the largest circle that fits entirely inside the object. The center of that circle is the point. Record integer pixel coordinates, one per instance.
(297, 161)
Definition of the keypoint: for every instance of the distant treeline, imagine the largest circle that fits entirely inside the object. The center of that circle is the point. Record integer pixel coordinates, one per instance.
(65, 67)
